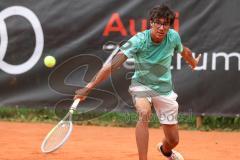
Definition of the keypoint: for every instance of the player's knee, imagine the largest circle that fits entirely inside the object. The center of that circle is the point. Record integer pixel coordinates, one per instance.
(144, 115)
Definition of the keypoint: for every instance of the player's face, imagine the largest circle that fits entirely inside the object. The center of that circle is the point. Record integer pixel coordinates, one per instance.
(160, 29)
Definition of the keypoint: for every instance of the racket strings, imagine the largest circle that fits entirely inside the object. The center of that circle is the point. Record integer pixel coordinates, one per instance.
(57, 136)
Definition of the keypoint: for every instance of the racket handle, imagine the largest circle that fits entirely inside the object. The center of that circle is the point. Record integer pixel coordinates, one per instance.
(75, 104)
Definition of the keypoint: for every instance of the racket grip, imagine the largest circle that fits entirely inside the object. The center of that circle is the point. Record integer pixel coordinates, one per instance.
(75, 104)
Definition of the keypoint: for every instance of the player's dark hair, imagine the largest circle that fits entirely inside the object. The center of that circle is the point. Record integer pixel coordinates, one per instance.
(162, 11)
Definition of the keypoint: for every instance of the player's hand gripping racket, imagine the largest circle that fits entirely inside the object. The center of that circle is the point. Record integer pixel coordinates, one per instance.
(61, 132)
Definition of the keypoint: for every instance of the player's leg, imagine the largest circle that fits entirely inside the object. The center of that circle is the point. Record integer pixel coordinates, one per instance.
(171, 138)
(143, 108)
(167, 110)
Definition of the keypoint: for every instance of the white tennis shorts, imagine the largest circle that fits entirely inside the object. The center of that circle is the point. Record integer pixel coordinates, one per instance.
(166, 106)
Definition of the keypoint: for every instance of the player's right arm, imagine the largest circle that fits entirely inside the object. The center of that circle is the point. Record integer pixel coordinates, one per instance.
(129, 49)
(102, 75)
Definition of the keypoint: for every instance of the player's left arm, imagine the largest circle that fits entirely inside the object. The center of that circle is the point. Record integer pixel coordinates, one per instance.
(185, 52)
(188, 57)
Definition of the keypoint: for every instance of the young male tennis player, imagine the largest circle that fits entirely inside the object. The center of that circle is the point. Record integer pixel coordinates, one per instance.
(151, 85)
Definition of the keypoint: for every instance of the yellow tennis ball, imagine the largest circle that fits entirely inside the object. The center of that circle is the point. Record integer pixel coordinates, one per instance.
(49, 61)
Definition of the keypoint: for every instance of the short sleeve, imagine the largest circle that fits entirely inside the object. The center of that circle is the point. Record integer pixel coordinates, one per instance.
(178, 47)
(131, 47)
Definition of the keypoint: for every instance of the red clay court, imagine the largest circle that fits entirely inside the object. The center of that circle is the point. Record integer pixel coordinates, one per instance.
(21, 141)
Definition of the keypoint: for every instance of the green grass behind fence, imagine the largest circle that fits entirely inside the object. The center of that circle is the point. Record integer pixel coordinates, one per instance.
(119, 119)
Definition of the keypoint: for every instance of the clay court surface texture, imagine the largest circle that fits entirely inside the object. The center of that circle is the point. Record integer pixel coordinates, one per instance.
(21, 141)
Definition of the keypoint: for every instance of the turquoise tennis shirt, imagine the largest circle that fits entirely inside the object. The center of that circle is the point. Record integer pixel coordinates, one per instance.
(153, 60)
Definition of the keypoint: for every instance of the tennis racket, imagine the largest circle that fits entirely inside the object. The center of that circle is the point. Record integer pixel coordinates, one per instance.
(61, 132)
